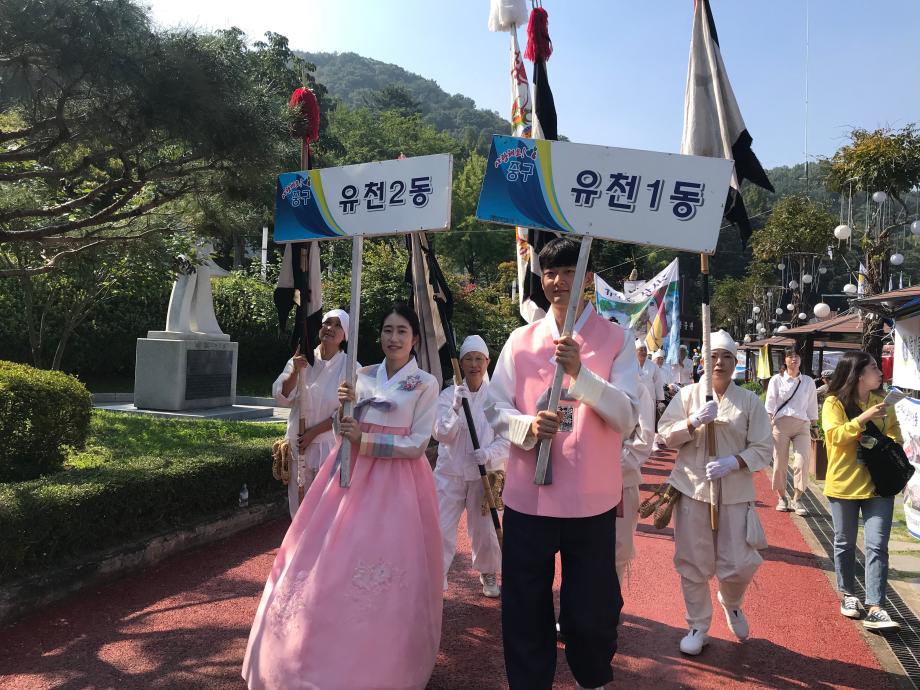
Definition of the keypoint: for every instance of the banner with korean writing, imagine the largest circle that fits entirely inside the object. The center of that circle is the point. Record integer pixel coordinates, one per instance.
(644, 197)
(906, 371)
(384, 198)
(908, 411)
(652, 311)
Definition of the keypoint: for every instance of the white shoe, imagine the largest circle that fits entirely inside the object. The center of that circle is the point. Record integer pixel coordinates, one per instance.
(490, 586)
(736, 620)
(781, 505)
(849, 607)
(693, 642)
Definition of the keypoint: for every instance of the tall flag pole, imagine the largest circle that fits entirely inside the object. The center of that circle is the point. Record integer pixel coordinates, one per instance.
(507, 16)
(299, 281)
(434, 306)
(713, 126)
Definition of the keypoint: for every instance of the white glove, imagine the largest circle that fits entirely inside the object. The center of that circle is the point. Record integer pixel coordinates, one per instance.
(460, 392)
(480, 457)
(705, 414)
(719, 468)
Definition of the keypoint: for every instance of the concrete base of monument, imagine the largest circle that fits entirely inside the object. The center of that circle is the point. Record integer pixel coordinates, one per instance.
(227, 412)
(174, 374)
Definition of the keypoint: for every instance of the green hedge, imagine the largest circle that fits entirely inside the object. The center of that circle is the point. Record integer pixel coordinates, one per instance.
(42, 413)
(137, 478)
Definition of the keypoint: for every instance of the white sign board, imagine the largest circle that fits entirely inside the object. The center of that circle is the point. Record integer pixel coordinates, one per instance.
(384, 198)
(643, 197)
(906, 372)
(908, 411)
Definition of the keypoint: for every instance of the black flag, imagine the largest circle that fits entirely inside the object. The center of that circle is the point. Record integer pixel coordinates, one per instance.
(713, 125)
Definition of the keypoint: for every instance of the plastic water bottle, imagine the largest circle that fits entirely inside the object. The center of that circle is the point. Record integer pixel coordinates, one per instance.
(244, 496)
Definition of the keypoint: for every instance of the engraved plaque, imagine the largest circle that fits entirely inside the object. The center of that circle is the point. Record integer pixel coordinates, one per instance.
(208, 374)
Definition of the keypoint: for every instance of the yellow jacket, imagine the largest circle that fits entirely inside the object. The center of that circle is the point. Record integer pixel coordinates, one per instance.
(846, 476)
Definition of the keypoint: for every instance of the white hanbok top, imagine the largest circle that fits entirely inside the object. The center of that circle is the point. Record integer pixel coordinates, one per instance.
(742, 428)
(455, 449)
(638, 447)
(407, 400)
(320, 402)
(681, 374)
(650, 376)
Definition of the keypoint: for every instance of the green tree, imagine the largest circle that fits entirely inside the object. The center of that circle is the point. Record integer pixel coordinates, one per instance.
(473, 246)
(883, 160)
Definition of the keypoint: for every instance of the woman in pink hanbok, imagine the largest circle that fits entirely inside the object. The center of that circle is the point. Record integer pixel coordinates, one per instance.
(353, 600)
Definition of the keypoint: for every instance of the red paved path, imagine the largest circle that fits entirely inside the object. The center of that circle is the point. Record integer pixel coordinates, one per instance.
(184, 623)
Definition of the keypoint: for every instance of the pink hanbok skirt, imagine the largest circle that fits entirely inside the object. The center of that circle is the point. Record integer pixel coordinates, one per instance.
(354, 600)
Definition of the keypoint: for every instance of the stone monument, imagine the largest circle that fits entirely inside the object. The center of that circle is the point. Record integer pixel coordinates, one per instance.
(191, 364)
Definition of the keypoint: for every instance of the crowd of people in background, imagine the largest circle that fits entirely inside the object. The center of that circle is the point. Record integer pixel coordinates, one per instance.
(361, 572)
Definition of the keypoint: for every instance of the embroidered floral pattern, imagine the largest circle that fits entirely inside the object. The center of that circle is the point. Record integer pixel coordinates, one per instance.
(410, 383)
(287, 603)
(370, 581)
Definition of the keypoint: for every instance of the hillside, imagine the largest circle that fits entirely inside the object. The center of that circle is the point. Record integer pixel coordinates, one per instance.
(354, 79)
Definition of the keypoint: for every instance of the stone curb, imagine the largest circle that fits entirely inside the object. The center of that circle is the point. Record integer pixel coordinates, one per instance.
(23, 596)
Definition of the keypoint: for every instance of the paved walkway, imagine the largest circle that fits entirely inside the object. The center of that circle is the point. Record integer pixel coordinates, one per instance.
(184, 623)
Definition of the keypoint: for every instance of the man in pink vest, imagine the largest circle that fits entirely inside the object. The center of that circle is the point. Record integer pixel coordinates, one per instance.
(574, 515)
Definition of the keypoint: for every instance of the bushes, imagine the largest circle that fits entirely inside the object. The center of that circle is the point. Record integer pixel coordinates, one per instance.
(138, 477)
(245, 310)
(41, 414)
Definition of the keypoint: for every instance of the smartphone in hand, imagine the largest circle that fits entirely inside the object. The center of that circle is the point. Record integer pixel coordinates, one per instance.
(894, 396)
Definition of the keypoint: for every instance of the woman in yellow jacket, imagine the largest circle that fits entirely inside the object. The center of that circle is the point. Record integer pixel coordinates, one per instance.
(849, 486)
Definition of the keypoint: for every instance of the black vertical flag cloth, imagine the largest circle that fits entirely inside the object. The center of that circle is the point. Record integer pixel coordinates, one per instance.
(713, 125)
(545, 126)
(433, 303)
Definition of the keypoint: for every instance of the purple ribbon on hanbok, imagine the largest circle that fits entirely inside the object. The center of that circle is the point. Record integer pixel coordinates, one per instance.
(378, 403)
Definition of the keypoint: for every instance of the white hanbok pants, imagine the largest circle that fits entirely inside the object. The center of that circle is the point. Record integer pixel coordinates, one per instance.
(455, 495)
(700, 553)
(316, 453)
(626, 529)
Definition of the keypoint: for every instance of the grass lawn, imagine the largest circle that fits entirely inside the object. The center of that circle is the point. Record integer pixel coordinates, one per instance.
(118, 441)
(258, 384)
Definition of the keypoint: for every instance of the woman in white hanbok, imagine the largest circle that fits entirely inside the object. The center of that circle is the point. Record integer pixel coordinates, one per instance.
(317, 398)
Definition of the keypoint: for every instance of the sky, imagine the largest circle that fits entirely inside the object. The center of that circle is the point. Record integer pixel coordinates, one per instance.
(619, 67)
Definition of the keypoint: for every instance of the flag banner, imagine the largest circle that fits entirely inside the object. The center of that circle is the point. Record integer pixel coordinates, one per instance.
(652, 311)
(906, 370)
(383, 198)
(908, 412)
(643, 197)
(713, 125)
(861, 280)
(432, 301)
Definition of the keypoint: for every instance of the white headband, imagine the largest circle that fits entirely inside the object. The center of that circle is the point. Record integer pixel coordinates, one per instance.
(342, 316)
(474, 343)
(657, 354)
(721, 340)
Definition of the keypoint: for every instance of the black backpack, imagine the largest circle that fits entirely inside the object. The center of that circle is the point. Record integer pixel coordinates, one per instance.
(885, 459)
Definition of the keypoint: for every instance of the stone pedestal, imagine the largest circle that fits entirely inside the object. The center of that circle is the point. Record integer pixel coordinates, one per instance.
(181, 371)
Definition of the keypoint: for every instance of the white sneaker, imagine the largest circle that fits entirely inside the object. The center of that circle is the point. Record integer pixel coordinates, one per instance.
(781, 505)
(693, 642)
(849, 607)
(799, 509)
(736, 620)
(489, 585)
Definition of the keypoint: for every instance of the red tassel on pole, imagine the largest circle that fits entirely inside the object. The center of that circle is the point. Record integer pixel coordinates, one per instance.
(539, 45)
(306, 125)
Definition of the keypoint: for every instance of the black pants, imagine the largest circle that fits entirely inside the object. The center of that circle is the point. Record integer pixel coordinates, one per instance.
(590, 599)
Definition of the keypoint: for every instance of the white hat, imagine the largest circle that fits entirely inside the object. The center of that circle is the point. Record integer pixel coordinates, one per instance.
(474, 343)
(658, 353)
(721, 340)
(640, 342)
(342, 316)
